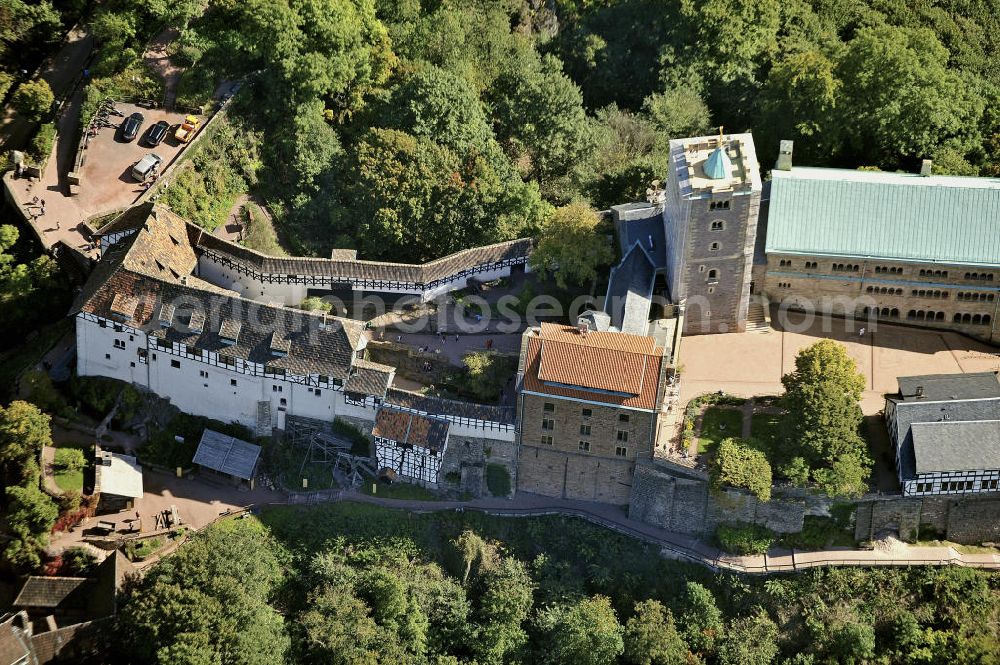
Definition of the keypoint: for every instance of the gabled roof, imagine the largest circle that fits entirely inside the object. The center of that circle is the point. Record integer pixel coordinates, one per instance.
(630, 291)
(15, 641)
(227, 454)
(901, 216)
(439, 406)
(368, 378)
(616, 368)
(956, 446)
(413, 429)
(53, 592)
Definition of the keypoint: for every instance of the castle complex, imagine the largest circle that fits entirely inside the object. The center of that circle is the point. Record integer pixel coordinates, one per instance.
(210, 325)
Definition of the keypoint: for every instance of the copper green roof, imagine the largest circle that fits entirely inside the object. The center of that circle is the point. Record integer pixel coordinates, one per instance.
(718, 166)
(834, 212)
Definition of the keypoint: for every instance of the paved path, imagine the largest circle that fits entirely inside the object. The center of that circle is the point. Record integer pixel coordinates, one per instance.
(156, 59)
(60, 73)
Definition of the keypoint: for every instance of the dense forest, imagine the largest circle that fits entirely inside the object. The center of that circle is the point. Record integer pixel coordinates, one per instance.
(348, 583)
(411, 129)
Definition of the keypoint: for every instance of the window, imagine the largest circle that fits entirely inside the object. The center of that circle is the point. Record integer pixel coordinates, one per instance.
(317, 392)
(548, 424)
(107, 356)
(585, 446)
(277, 389)
(925, 487)
(713, 274)
(131, 364)
(283, 401)
(623, 417)
(718, 225)
(714, 247)
(102, 323)
(546, 440)
(785, 263)
(587, 413)
(623, 435)
(203, 374)
(718, 205)
(989, 485)
(548, 407)
(175, 364)
(119, 344)
(811, 264)
(232, 382)
(621, 451)
(585, 430)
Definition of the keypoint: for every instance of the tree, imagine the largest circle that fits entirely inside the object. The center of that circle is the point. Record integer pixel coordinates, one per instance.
(822, 397)
(571, 248)
(902, 99)
(739, 464)
(486, 374)
(586, 633)
(70, 459)
(735, 37)
(30, 516)
(338, 627)
(679, 112)
(503, 599)
(751, 640)
(34, 99)
(78, 561)
(24, 430)
(316, 304)
(700, 618)
(651, 638)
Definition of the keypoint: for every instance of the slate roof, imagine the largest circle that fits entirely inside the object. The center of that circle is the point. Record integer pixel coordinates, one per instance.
(616, 368)
(630, 291)
(14, 642)
(956, 446)
(901, 216)
(942, 387)
(407, 428)
(53, 592)
(369, 378)
(642, 222)
(907, 413)
(227, 454)
(342, 267)
(448, 407)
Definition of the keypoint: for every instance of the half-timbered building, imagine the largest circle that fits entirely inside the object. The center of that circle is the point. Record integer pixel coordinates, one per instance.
(410, 444)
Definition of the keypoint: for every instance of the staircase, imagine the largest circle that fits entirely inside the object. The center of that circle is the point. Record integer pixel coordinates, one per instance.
(263, 419)
(757, 319)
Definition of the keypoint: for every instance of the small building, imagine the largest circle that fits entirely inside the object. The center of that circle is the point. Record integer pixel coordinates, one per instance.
(227, 456)
(410, 444)
(946, 432)
(15, 640)
(117, 481)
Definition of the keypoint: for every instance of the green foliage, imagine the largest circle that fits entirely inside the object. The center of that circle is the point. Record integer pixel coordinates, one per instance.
(586, 632)
(211, 597)
(651, 637)
(30, 514)
(679, 112)
(486, 374)
(78, 561)
(497, 479)
(259, 234)
(41, 145)
(739, 464)
(718, 424)
(751, 640)
(316, 304)
(24, 430)
(700, 618)
(570, 247)
(162, 447)
(744, 538)
(70, 459)
(34, 99)
(822, 398)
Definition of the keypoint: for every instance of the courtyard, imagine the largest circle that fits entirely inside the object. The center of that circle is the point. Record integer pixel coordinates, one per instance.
(751, 364)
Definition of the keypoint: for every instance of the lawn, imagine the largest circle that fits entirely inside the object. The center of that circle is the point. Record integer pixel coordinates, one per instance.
(69, 481)
(718, 424)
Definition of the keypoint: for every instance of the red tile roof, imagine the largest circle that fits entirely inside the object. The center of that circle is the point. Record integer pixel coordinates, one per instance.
(615, 368)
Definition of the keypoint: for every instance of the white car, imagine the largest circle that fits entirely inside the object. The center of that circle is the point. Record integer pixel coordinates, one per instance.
(145, 166)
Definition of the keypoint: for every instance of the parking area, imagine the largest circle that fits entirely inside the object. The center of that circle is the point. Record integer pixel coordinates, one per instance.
(753, 363)
(106, 174)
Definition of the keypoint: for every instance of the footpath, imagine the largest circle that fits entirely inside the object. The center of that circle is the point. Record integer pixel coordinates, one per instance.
(675, 545)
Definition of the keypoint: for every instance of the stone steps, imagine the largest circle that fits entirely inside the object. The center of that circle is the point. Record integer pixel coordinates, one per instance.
(757, 319)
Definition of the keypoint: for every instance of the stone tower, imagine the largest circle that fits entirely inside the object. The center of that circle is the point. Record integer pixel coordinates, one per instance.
(713, 194)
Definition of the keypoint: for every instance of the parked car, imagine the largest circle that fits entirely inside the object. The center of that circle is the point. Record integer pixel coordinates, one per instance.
(187, 129)
(157, 133)
(131, 126)
(145, 166)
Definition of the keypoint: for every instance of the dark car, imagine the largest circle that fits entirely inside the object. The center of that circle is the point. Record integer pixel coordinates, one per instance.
(156, 133)
(130, 128)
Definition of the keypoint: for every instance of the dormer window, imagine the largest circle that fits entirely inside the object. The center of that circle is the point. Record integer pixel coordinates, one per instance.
(165, 317)
(280, 345)
(229, 331)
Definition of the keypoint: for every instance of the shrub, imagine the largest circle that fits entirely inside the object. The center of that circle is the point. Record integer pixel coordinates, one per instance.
(34, 99)
(739, 464)
(70, 459)
(498, 480)
(41, 145)
(744, 538)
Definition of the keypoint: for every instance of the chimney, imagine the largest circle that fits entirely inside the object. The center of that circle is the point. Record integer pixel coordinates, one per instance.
(784, 162)
(925, 167)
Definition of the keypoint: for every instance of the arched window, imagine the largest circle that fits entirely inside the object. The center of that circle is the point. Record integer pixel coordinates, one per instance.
(718, 225)
(939, 316)
(912, 314)
(713, 274)
(894, 313)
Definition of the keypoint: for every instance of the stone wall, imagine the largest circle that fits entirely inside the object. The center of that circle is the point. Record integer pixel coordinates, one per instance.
(970, 519)
(468, 455)
(685, 504)
(563, 468)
